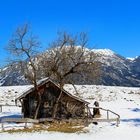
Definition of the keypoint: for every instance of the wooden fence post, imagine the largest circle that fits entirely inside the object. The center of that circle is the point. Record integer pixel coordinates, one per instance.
(0, 108)
(25, 125)
(118, 121)
(107, 114)
(2, 126)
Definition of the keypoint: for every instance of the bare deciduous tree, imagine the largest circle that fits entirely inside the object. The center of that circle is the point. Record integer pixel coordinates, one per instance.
(67, 58)
(23, 46)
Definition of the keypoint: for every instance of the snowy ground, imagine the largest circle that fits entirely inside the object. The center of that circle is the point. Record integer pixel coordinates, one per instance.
(124, 101)
(9, 93)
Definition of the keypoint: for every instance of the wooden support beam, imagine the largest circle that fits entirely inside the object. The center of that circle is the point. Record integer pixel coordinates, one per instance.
(102, 120)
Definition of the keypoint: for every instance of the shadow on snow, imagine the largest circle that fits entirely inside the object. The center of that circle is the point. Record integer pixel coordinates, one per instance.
(135, 110)
(11, 116)
(135, 121)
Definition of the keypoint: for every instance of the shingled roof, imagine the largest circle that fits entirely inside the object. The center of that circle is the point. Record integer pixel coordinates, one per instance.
(44, 81)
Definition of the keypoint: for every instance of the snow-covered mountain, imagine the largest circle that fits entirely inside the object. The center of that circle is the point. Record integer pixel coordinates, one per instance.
(12, 75)
(116, 70)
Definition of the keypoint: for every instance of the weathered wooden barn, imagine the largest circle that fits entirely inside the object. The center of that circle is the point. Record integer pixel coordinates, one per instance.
(69, 106)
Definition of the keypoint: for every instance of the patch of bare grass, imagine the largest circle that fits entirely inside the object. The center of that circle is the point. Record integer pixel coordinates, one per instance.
(65, 127)
(54, 126)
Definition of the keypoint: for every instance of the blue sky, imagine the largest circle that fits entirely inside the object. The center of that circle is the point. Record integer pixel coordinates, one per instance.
(112, 24)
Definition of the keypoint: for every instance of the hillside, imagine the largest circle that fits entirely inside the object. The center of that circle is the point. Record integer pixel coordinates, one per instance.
(116, 71)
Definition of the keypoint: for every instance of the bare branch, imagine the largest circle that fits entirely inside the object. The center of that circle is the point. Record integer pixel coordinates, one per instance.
(23, 46)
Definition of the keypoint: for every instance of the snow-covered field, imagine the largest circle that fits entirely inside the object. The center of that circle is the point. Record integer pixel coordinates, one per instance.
(122, 100)
(9, 93)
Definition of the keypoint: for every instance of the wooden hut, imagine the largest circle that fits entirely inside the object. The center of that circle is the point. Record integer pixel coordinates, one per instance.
(69, 106)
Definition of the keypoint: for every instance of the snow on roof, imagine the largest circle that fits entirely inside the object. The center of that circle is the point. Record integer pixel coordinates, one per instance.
(43, 81)
(31, 87)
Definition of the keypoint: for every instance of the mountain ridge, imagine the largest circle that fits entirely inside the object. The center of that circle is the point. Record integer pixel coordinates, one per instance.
(116, 71)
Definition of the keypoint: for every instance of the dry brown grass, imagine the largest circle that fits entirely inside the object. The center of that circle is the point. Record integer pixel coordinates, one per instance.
(65, 127)
(25, 130)
(55, 127)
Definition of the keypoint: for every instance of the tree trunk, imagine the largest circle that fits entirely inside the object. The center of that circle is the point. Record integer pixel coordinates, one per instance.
(56, 106)
(38, 105)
